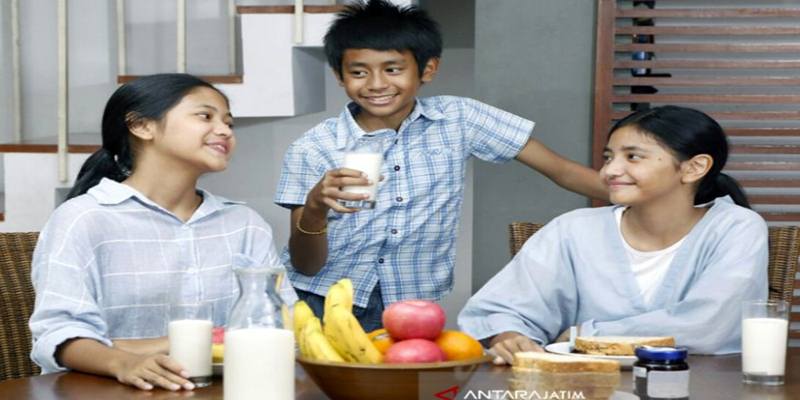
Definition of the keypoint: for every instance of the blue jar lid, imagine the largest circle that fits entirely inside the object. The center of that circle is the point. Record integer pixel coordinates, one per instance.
(661, 353)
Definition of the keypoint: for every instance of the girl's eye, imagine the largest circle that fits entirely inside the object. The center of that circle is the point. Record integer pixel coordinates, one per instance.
(393, 70)
(204, 115)
(358, 74)
(606, 157)
(634, 157)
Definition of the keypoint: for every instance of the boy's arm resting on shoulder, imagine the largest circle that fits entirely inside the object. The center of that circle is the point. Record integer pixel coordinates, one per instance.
(564, 172)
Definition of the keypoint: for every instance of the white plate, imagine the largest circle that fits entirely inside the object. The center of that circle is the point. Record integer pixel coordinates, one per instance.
(563, 348)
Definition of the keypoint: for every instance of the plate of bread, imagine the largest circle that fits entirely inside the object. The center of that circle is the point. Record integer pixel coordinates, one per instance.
(618, 348)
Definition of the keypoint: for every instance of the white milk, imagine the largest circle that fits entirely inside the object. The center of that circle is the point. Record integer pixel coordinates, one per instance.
(190, 345)
(370, 164)
(764, 345)
(259, 364)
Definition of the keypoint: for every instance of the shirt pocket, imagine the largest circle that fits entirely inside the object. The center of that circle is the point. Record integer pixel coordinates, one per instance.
(435, 171)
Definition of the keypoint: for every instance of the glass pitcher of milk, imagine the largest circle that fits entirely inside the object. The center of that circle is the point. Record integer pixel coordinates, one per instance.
(365, 156)
(259, 341)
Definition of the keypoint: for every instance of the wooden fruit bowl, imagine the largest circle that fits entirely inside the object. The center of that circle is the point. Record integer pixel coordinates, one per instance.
(349, 381)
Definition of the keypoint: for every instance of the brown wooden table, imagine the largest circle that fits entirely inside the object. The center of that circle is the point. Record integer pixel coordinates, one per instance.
(712, 378)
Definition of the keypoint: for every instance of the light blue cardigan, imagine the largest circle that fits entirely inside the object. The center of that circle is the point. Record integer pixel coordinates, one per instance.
(575, 271)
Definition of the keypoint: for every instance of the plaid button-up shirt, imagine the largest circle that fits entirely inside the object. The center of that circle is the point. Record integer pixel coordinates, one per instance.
(407, 243)
(108, 264)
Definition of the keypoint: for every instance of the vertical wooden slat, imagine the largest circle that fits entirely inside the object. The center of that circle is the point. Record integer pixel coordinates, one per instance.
(122, 67)
(298, 21)
(604, 75)
(16, 99)
(181, 35)
(231, 36)
(63, 91)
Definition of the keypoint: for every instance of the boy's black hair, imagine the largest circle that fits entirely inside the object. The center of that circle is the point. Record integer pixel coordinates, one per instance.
(380, 25)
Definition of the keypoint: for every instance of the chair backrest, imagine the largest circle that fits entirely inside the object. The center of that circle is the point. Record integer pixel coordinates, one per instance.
(784, 250)
(519, 232)
(16, 304)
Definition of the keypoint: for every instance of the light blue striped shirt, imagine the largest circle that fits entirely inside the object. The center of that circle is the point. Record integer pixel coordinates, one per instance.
(575, 271)
(407, 243)
(108, 264)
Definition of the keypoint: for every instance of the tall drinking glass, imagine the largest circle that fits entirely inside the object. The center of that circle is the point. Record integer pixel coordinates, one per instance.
(765, 326)
(190, 340)
(366, 156)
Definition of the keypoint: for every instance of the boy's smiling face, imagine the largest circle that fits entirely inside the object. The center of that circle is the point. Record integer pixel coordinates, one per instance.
(384, 84)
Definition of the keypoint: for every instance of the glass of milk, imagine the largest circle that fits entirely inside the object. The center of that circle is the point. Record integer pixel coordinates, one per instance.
(189, 332)
(765, 326)
(366, 156)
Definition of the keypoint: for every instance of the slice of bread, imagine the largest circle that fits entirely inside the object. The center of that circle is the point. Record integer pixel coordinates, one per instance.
(547, 362)
(618, 345)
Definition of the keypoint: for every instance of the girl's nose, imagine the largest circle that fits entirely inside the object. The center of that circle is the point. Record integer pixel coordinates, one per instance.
(223, 129)
(611, 168)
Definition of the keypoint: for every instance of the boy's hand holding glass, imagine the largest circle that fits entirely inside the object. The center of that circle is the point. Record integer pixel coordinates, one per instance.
(328, 193)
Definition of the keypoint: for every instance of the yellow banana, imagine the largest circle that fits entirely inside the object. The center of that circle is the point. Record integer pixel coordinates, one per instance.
(340, 294)
(348, 337)
(321, 348)
(302, 313)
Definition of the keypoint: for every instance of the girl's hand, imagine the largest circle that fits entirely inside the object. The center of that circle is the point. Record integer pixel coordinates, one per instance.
(328, 191)
(506, 344)
(148, 371)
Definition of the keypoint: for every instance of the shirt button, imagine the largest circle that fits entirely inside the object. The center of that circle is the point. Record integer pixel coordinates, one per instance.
(399, 199)
(394, 231)
(397, 168)
(380, 261)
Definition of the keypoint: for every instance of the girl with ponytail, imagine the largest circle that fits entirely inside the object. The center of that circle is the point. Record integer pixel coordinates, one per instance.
(675, 255)
(137, 235)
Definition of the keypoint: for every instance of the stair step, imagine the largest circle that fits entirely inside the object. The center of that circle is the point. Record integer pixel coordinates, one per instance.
(289, 9)
(229, 79)
(78, 143)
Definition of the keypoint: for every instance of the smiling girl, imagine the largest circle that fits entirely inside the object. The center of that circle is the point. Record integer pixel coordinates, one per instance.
(137, 233)
(676, 255)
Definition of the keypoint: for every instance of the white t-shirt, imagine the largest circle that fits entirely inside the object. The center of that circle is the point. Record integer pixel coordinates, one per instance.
(649, 267)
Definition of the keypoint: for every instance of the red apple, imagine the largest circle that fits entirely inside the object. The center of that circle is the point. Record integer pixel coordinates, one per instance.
(413, 351)
(414, 319)
(218, 335)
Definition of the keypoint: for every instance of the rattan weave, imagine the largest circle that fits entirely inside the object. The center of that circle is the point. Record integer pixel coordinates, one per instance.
(16, 304)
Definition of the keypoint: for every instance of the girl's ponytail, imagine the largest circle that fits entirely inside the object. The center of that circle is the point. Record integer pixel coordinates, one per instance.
(721, 186)
(99, 165)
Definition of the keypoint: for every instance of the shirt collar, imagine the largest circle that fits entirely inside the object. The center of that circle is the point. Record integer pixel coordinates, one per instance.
(110, 192)
(348, 129)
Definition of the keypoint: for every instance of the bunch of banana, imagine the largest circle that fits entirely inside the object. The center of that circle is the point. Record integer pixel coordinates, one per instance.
(341, 337)
(348, 337)
(314, 343)
(342, 328)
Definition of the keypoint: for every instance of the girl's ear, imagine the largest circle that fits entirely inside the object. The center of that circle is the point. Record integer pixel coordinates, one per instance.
(141, 128)
(431, 68)
(695, 168)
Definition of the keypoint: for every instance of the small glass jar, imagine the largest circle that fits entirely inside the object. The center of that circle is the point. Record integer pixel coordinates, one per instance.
(661, 373)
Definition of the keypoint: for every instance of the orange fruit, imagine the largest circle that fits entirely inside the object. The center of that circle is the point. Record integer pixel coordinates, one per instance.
(381, 339)
(457, 345)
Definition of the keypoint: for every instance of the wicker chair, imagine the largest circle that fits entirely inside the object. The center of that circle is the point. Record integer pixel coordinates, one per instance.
(16, 305)
(519, 232)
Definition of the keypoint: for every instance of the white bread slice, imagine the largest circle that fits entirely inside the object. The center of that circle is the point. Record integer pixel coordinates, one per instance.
(547, 362)
(618, 345)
